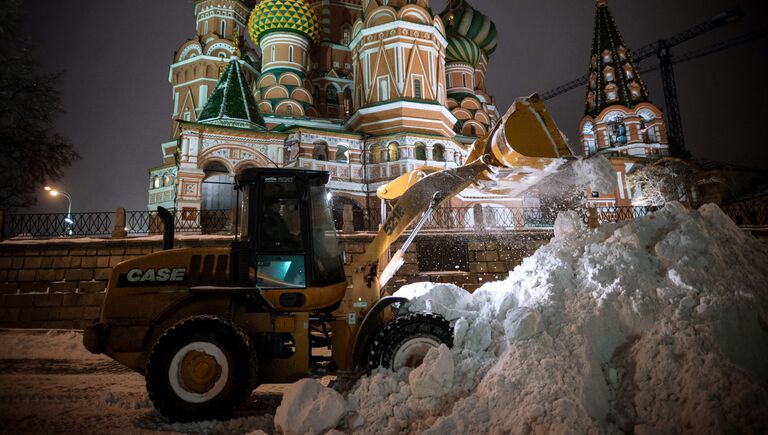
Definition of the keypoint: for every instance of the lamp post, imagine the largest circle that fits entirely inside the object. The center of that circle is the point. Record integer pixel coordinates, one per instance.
(68, 220)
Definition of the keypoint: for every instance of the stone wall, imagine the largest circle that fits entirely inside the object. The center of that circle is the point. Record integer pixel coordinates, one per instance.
(61, 283)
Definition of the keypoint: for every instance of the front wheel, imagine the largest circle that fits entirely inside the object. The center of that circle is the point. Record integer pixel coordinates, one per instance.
(200, 369)
(405, 340)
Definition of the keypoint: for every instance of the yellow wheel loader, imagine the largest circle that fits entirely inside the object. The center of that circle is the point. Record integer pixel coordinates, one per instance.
(205, 326)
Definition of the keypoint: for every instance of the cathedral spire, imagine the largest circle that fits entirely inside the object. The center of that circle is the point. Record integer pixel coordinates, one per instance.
(231, 103)
(613, 75)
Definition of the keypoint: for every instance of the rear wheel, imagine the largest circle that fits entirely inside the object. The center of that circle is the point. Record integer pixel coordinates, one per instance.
(405, 340)
(200, 369)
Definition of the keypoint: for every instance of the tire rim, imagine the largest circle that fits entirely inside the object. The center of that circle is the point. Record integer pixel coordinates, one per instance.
(198, 372)
(412, 352)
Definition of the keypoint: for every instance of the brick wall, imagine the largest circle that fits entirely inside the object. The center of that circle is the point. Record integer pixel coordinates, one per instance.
(61, 283)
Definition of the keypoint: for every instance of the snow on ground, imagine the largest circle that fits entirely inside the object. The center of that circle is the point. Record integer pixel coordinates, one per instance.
(49, 383)
(657, 325)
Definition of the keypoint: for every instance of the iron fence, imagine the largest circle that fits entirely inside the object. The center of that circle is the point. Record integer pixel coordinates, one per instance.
(138, 223)
(363, 220)
(617, 214)
(185, 221)
(58, 225)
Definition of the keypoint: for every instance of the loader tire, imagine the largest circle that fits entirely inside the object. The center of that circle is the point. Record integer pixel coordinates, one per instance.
(200, 369)
(405, 340)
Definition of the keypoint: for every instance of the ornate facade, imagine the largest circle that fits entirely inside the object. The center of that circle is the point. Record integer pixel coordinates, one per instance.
(619, 120)
(364, 89)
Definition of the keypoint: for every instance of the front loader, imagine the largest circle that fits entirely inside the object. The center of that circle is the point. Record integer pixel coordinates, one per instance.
(205, 326)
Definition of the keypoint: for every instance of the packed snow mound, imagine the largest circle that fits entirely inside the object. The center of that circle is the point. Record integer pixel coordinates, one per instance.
(309, 407)
(656, 325)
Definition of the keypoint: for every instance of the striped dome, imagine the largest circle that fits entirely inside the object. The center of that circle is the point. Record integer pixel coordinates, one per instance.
(468, 22)
(464, 50)
(286, 15)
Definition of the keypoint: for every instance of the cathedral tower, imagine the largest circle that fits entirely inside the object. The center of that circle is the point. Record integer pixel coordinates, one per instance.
(398, 50)
(198, 62)
(285, 31)
(619, 119)
(472, 38)
(331, 72)
(194, 73)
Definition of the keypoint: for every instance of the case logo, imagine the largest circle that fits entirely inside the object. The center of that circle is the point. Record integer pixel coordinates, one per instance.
(152, 277)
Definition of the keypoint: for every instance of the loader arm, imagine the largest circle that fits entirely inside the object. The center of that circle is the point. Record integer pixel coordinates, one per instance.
(525, 141)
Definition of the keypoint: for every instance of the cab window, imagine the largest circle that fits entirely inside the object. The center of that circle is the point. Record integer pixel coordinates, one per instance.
(280, 271)
(280, 216)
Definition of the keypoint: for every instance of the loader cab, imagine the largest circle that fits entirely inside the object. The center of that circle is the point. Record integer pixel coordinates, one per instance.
(287, 228)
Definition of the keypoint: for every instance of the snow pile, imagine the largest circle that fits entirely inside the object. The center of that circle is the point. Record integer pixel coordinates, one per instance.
(309, 407)
(597, 172)
(649, 326)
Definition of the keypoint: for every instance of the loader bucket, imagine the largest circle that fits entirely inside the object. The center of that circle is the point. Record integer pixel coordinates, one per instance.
(525, 136)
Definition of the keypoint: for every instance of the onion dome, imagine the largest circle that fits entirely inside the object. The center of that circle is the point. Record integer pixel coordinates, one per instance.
(286, 16)
(464, 50)
(462, 19)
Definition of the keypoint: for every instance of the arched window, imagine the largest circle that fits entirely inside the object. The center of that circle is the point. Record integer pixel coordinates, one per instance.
(342, 154)
(320, 151)
(290, 54)
(346, 35)
(438, 153)
(622, 53)
(331, 95)
(272, 51)
(166, 180)
(607, 57)
(472, 130)
(347, 101)
(155, 182)
(374, 154)
(628, 71)
(393, 152)
(420, 152)
(618, 131)
(217, 188)
(289, 109)
(591, 100)
(612, 93)
(417, 88)
(608, 73)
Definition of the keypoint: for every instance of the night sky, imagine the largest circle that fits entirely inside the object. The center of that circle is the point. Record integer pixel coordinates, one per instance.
(115, 57)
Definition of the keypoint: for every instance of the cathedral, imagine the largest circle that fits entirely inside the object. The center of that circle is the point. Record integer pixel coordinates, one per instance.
(364, 89)
(367, 90)
(619, 120)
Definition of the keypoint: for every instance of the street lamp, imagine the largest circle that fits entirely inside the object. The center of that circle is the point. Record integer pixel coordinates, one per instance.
(68, 220)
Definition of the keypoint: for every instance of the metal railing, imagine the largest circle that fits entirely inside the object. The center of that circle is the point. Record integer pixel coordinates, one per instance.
(185, 221)
(477, 218)
(618, 214)
(56, 225)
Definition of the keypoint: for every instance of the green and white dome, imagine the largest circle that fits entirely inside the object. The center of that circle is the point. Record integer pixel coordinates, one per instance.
(283, 15)
(462, 49)
(462, 19)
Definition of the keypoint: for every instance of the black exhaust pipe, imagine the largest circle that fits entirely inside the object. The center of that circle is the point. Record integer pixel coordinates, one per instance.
(168, 227)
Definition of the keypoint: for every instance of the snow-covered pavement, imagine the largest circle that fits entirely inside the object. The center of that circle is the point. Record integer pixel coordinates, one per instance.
(50, 384)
